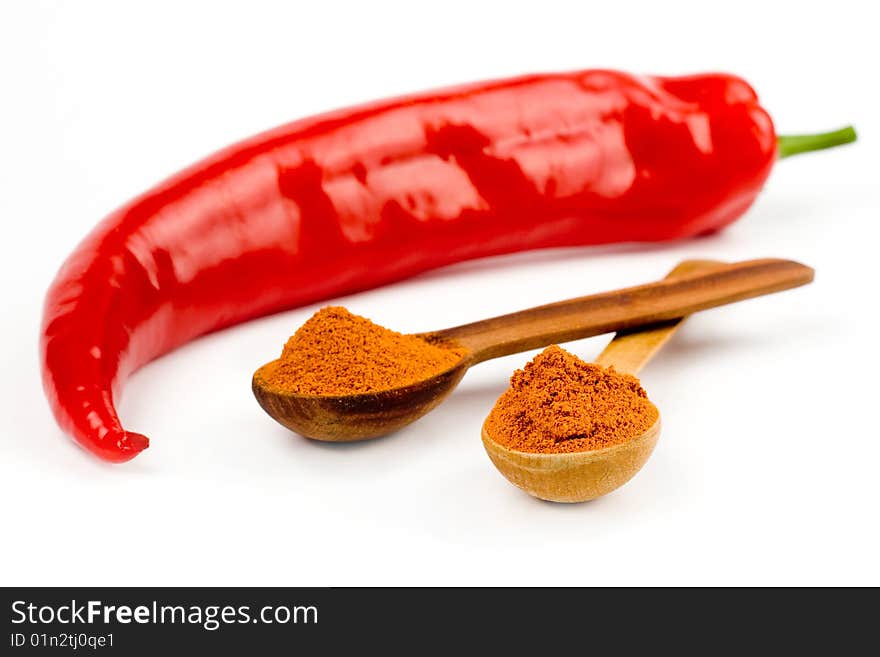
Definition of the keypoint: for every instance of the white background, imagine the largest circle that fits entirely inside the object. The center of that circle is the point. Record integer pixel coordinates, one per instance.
(767, 470)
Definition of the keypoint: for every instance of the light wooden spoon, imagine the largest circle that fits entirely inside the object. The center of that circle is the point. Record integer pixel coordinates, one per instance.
(369, 415)
(583, 476)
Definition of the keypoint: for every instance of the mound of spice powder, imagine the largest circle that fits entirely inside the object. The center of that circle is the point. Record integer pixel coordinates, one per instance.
(559, 403)
(338, 353)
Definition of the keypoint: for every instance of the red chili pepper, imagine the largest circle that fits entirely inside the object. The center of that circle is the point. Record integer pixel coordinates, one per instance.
(360, 197)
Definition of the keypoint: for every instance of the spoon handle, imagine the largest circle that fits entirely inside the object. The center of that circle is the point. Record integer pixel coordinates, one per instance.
(626, 308)
(631, 349)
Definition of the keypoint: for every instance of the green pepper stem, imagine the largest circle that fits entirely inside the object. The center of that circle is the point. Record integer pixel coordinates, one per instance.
(794, 144)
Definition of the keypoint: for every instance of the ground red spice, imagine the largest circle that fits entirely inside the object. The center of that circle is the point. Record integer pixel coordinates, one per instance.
(338, 353)
(559, 403)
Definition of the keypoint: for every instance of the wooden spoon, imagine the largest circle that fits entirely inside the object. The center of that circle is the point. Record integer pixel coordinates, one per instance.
(369, 415)
(583, 476)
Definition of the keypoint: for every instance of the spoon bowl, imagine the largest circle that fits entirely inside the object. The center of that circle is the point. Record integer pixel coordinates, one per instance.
(361, 416)
(573, 476)
(346, 418)
(586, 475)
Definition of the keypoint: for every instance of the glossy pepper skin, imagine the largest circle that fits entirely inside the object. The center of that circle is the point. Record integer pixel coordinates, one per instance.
(360, 197)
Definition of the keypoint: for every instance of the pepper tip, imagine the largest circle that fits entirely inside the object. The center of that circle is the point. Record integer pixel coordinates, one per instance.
(134, 443)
